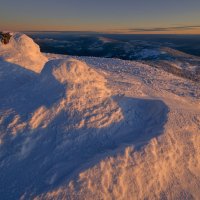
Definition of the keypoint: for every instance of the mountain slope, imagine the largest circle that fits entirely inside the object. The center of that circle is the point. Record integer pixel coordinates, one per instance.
(96, 128)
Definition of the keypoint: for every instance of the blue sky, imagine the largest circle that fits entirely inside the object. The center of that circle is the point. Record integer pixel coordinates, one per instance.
(127, 16)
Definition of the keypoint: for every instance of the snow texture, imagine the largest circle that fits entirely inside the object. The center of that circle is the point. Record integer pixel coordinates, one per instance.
(95, 128)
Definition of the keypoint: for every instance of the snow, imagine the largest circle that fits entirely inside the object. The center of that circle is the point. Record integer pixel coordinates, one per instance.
(96, 128)
(22, 51)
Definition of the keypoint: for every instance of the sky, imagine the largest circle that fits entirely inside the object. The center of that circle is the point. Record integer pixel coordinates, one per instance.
(110, 16)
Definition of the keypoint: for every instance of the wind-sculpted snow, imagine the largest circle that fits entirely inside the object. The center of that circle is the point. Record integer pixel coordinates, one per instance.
(21, 50)
(98, 129)
(79, 120)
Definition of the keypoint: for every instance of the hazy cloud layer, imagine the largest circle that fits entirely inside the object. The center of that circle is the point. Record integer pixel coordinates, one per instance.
(164, 29)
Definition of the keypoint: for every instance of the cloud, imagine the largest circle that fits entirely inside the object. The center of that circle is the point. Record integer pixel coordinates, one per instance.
(164, 29)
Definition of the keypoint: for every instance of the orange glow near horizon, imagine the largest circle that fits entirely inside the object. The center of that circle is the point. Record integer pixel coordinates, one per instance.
(113, 16)
(195, 31)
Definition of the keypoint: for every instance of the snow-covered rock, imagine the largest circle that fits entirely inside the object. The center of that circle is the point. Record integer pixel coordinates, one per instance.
(22, 51)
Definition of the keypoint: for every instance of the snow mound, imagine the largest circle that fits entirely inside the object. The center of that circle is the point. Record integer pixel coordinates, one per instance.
(85, 96)
(80, 97)
(72, 70)
(22, 51)
(84, 84)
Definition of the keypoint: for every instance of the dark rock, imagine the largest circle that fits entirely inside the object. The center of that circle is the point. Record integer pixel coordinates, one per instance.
(5, 37)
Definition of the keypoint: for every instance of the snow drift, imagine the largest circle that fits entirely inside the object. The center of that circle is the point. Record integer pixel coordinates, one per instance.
(69, 101)
(21, 50)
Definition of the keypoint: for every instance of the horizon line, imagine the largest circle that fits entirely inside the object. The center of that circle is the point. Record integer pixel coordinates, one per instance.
(103, 32)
